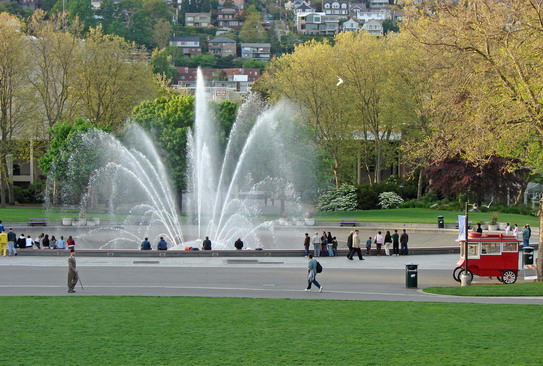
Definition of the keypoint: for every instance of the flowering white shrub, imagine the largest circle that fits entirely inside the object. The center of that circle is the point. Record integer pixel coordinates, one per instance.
(341, 199)
(389, 200)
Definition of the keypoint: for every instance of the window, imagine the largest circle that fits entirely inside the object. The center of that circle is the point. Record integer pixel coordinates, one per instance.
(327, 6)
(510, 247)
(473, 250)
(490, 248)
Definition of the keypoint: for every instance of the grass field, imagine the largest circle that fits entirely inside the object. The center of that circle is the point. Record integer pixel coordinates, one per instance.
(407, 215)
(424, 216)
(517, 289)
(233, 331)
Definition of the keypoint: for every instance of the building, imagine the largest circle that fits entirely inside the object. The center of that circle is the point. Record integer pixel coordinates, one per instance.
(340, 8)
(189, 45)
(227, 17)
(303, 8)
(256, 51)
(222, 46)
(373, 27)
(199, 20)
(240, 4)
(378, 4)
(222, 84)
(366, 16)
(317, 23)
(350, 25)
(354, 8)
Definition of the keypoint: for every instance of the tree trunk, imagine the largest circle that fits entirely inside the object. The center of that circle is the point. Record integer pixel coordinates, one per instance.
(335, 169)
(378, 163)
(3, 189)
(419, 184)
(539, 261)
(518, 199)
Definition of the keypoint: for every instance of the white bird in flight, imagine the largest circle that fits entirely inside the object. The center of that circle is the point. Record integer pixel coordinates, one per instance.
(340, 81)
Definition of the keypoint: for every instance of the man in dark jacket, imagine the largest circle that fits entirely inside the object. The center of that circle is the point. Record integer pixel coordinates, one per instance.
(145, 245)
(12, 239)
(162, 245)
(207, 244)
(73, 276)
(307, 243)
(350, 241)
(404, 238)
(238, 244)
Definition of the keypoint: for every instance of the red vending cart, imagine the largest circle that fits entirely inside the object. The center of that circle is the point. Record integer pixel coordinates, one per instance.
(490, 255)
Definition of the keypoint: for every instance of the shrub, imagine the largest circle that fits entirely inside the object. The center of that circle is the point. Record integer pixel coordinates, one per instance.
(389, 200)
(341, 199)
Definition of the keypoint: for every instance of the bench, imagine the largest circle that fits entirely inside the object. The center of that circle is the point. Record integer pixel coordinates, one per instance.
(345, 222)
(37, 222)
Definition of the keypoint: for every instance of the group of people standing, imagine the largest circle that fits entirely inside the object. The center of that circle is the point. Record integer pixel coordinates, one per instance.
(323, 245)
(398, 242)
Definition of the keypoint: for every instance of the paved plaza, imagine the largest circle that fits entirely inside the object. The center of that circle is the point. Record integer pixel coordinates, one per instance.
(375, 278)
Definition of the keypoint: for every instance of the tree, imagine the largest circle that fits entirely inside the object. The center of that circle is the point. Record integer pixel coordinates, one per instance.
(169, 119)
(252, 30)
(308, 78)
(489, 92)
(55, 54)
(162, 31)
(112, 79)
(79, 11)
(16, 102)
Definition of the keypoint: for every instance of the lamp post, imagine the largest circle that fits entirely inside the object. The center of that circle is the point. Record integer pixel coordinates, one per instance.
(465, 278)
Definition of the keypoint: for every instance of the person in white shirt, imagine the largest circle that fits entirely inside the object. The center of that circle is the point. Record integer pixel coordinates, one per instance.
(507, 229)
(379, 242)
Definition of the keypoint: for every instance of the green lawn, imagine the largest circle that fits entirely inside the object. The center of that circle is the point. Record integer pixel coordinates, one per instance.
(424, 216)
(234, 331)
(517, 289)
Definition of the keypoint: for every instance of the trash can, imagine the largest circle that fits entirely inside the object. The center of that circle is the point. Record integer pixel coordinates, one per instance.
(527, 256)
(411, 274)
(440, 222)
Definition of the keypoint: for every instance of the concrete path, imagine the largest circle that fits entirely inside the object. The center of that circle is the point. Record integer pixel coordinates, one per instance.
(376, 278)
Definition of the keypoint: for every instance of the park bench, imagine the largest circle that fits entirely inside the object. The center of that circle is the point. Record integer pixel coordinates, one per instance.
(347, 222)
(37, 222)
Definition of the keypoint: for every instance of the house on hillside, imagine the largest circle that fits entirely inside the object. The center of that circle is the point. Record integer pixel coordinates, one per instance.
(222, 46)
(317, 23)
(350, 25)
(339, 8)
(199, 20)
(373, 27)
(256, 51)
(228, 17)
(189, 45)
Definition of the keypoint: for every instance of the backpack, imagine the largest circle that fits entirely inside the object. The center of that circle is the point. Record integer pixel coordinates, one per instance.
(319, 267)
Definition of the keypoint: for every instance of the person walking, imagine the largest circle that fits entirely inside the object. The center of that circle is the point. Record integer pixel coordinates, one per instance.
(316, 244)
(368, 246)
(3, 242)
(162, 244)
(350, 241)
(145, 244)
(312, 273)
(61, 243)
(525, 236)
(12, 239)
(73, 276)
(307, 243)
(388, 241)
(356, 247)
(379, 242)
(404, 238)
(395, 243)
(238, 244)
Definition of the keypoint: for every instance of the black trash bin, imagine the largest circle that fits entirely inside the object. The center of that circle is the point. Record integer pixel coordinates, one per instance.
(411, 275)
(440, 222)
(527, 256)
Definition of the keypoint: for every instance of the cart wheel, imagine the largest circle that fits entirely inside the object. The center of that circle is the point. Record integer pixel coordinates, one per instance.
(462, 271)
(509, 277)
(456, 274)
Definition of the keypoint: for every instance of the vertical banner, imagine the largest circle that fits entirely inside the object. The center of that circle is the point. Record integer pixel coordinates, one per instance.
(462, 227)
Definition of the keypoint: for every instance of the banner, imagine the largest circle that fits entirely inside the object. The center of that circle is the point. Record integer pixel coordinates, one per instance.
(462, 227)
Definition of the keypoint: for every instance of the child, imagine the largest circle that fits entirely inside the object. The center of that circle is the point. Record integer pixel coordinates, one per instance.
(368, 246)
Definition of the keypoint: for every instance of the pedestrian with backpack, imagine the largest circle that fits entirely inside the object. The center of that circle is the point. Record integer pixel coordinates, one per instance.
(312, 270)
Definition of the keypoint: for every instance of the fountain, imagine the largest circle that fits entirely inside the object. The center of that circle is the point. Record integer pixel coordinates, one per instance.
(265, 159)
